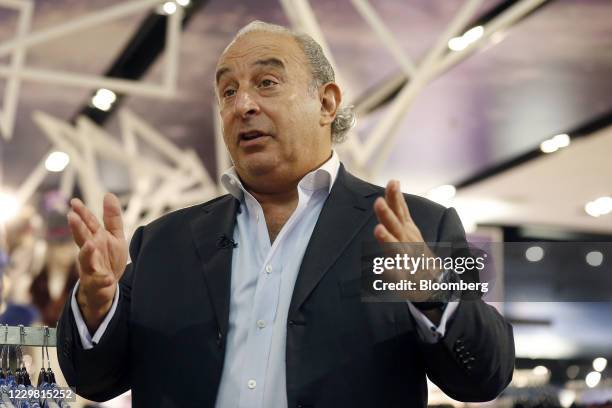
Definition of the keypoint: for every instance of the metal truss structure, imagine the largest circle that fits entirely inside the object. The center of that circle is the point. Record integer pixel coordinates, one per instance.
(177, 178)
(16, 71)
(367, 158)
(169, 179)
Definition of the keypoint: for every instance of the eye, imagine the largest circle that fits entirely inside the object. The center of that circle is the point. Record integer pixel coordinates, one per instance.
(228, 92)
(267, 83)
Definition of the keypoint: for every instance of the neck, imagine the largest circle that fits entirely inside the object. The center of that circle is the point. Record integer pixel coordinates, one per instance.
(285, 197)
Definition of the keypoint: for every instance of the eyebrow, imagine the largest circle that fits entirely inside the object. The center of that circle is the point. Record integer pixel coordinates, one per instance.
(268, 62)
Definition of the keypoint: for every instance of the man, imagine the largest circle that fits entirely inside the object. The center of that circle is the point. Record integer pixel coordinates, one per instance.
(252, 299)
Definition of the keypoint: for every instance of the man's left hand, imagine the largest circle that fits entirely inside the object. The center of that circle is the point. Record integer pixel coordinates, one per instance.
(397, 226)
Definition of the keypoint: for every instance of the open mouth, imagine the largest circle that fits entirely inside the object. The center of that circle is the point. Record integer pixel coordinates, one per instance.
(251, 135)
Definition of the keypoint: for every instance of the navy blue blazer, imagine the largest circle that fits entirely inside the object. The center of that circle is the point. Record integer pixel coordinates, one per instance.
(166, 340)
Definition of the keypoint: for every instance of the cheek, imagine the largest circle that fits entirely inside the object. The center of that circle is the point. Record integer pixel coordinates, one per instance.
(299, 111)
(226, 127)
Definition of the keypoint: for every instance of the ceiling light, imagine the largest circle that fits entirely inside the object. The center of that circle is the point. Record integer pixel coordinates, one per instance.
(169, 7)
(540, 370)
(57, 161)
(567, 398)
(473, 34)
(599, 364)
(600, 206)
(555, 143)
(9, 206)
(470, 36)
(594, 258)
(549, 146)
(183, 3)
(457, 44)
(592, 379)
(534, 254)
(562, 140)
(103, 99)
(604, 204)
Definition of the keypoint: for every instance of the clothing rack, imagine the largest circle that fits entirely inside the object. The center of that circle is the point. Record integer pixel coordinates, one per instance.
(27, 336)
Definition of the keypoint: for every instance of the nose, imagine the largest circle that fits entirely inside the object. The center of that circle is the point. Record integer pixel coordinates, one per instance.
(246, 105)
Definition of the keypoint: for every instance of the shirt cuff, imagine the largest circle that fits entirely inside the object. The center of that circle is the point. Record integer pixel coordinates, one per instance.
(429, 332)
(87, 341)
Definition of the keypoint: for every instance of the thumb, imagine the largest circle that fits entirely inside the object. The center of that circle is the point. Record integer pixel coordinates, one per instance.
(113, 222)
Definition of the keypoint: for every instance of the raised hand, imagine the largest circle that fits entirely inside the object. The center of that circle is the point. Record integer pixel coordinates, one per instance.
(396, 226)
(102, 257)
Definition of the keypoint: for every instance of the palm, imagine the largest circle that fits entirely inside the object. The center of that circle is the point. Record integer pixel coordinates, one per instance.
(104, 251)
(113, 253)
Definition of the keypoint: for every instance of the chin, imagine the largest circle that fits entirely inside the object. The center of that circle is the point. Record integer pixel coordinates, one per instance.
(259, 164)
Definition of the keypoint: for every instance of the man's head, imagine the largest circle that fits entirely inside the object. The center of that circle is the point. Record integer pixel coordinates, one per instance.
(279, 104)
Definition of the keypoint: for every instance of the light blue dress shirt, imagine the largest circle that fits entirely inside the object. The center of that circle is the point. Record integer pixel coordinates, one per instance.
(262, 280)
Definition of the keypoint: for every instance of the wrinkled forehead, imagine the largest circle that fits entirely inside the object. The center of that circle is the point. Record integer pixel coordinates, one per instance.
(252, 47)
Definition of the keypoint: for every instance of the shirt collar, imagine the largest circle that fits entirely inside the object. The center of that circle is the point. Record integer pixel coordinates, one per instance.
(322, 177)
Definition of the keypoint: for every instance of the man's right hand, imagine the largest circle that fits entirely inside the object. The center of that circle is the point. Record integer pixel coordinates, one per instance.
(102, 257)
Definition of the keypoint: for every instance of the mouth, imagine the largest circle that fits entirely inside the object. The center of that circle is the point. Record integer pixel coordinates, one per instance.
(251, 137)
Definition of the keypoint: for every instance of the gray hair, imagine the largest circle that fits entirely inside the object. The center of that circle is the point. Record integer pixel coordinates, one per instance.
(321, 70)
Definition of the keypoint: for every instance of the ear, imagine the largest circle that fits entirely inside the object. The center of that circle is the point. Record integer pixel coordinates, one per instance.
(330, 97)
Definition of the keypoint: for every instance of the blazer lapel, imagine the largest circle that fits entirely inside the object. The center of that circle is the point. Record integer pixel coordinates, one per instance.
(216, 221)
(345, 212)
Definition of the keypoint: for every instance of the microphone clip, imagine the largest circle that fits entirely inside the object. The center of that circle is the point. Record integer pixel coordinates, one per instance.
(225, 242)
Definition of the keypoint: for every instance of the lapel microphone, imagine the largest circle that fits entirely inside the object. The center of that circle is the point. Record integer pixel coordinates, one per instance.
(225, 242)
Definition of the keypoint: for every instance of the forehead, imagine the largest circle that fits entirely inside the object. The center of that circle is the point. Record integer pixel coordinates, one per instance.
(254, 46)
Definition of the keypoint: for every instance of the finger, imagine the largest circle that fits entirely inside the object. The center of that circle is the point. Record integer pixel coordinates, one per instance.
(395, 199)
(80, 233)
(87, 216)
(388, 218)
(404, 205)
(401, 203)
(382, 234)
(112, 216)
(85, 255)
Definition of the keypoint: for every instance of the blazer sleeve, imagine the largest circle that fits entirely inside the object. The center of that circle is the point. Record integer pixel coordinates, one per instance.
(474, 361)
(102, 372)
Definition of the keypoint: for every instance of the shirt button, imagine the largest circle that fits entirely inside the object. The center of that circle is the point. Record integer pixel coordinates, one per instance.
(252, 384)
(268, 268)
(261, 324)
(257, 217)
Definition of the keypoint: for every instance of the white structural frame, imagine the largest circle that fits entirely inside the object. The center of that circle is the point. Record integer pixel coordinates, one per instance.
(367, 158)
(172, 178)
(16, 72)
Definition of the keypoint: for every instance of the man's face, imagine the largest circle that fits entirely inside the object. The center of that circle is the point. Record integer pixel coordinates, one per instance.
(271, 117)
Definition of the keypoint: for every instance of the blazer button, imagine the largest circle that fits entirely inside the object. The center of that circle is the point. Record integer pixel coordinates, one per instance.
(219, 339)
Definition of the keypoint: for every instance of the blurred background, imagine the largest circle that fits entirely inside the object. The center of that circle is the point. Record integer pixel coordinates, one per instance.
(499, 108)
